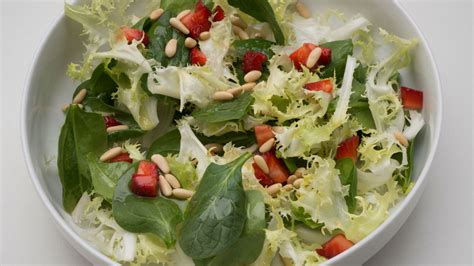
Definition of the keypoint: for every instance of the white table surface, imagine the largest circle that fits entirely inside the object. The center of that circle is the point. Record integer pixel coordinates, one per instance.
(438, 232)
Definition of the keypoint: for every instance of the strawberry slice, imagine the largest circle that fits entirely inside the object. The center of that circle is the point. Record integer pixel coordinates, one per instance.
(300, 56)
(278, 171)
(261, 176)
(144, 185)
(196, 57)
(111, 122)
(322, 85)
(325, 58)
(411, 99)
(253, 61)
(334, 246)
(123, 157)
(198, 21)
(348, 148)
(147, 168)
(134, 34)
(219, 14)
(263, 133)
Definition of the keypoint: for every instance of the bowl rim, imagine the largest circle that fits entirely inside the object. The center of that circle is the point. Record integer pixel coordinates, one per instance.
(77, 241)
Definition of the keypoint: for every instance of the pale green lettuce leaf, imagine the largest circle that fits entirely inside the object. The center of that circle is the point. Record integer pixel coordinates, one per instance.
(134, 150)
(416, 124)
(183, 171)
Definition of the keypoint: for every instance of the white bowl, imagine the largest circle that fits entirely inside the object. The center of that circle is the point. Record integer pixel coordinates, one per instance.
(48, 88)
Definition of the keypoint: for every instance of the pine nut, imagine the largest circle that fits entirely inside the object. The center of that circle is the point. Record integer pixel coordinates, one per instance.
(287, 187)
(177, 24)
(313, 57)
(80, 96)
(214, 147)
(401, 138)
(183, 194)
(183, 14)
(111, 154)
(222, 96)
(237, 21)
(156, 14)
(298, 182)
(235, 91)
(261, 164)
(171, 46)
(278, 129)
(248, 86)
(303, 10)
(240, 32)
(165, 187)
(252, 76)
(190, 43)
(274, 189)
(291, 179)
(173, 181)
(204, 36)
(161, 162)
(116, 128)
(299, 172)
(267, 146)
(65, 107)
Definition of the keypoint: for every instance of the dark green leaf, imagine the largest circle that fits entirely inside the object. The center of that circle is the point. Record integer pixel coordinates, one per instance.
(81, 134)
(257, 45)
(339, 52)
(348, 176)
(225, 111)
(105, 175)
(290, 164)
(145, 215)
(305, 218)
(359, 105)
(177, 6)
(143, 24)
(262, 11)
(169, 143)
(123, 135)
(239, 139)
(360, 73)
(215, 216)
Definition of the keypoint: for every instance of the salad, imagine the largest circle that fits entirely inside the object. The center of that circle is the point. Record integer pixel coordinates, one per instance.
(232, 132)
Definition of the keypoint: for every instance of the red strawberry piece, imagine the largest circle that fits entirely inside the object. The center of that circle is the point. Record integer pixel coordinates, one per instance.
(300, 56)
(278, 171)
(412, 99)
(264, 179)
(325, 58)
(135, 34)
(263, 133)
(219, 14)
(253, 61)
(110, 121)
(348, 148)
(144, 185)
(197, 57)
(147, 168)
(334, 246)
(123, 157)
(198, 21)
(322, 85)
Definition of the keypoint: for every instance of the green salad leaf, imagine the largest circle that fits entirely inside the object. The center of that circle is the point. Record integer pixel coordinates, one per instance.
(258, 45)
(105, 175)
(339, 52)
(167, 144)
(348, 176)
(225, 111)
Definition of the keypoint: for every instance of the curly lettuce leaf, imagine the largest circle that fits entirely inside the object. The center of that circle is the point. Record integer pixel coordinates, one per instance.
(191, 148)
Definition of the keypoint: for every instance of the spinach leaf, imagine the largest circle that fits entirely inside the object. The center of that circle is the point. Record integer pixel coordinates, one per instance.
(262, 11)
(239, 139)
(123, 135)
(169, 143)
(177, 6)
(257, 45)
(359, 105)
(143, 24)
(303, 217)
(81, 134)
(215, 216)
(339, 52)
(360, 73)
(105, 175)
(404, 177)
(348, 176)
(290, 164)
(145, 215)
(225, 111)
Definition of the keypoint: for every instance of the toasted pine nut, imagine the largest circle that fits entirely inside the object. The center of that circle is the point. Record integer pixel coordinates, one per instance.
(183, 14)
(303, 10)
(298, 182)
(171, 46)
(248, 86)
(156, 14)
(299, 172)
(237, 21)
(181, 193)
(240, 32)
(65, 107)
(214, 147)
(190, 43)
(261, 164)
(291, 179)
(235, 91)
(267, 146)
(165, 187)
(204, 36)
(80, 96)
(111, 154)
(252, 76)
(116, 128)
(177, 24)
(161, 162)
(172, 180)
(222, 96)
(274, 189)
(287, 187)
(401, 138)
(313, 57)
(278, 129)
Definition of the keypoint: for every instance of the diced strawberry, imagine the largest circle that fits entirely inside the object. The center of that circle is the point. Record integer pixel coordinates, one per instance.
(198, 21)
(334, 246)
(253, 61)
(123, 157)
(300, 56)
(110, 121)
(325, 58)
(196, 57)
(144, 185)
(261, 176)
(348, 148)
(263, 133)
(411, 99)
(325, 85)
(219, 14)
(147, 168)
(134, 34)
(278, 171)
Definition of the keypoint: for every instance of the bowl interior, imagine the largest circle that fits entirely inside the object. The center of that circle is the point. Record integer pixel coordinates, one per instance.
(49, 88)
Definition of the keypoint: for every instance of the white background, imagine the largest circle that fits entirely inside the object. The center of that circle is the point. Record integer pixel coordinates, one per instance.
(438, 232)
